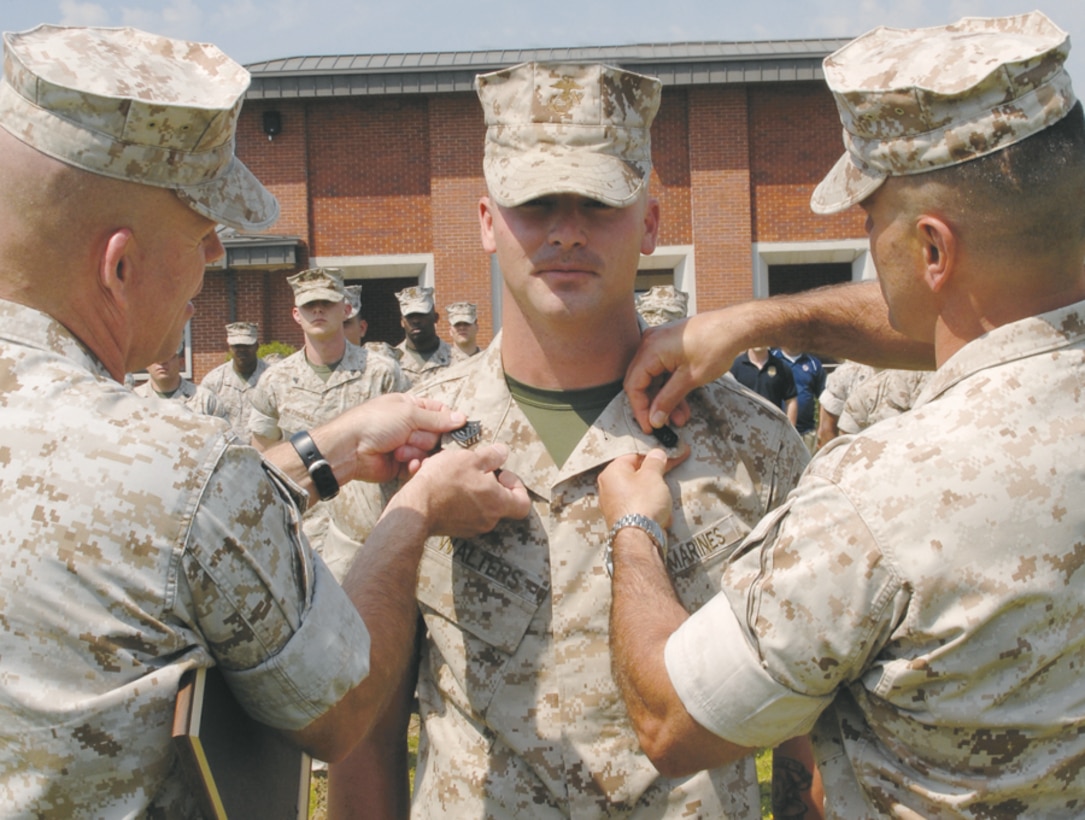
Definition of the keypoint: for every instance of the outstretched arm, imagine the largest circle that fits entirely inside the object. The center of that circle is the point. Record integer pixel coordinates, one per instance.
(848, 321)
(380, 440)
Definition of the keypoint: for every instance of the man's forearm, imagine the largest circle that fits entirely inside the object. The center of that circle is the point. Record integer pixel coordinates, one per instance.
(849, 321)
(644, 613)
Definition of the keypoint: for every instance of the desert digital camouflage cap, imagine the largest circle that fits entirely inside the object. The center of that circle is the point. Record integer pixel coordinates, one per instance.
(241, 333)
(462, 312)
(913, 100)
(354, 296)
(415, 300)
(554, 128)
(661, 304)
(316, 285)
(136, 106)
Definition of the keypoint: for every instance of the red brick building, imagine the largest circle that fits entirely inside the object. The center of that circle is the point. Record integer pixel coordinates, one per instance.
(377, 163)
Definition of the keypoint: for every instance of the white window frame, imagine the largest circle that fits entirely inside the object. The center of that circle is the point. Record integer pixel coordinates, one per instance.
(851, 251)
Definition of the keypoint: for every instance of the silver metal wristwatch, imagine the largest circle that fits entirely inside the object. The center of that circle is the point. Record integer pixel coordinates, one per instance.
(641, 522)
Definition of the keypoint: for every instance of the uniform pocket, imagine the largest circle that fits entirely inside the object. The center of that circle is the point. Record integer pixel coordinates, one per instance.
(478, 607)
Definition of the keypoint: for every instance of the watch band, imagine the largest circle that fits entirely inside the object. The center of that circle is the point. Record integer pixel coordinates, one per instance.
(320, 471)
(641, 522)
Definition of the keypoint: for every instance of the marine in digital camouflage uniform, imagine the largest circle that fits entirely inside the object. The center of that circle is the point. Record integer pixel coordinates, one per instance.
(435, 354)
(886, 394)
(141, 540)
(230, 384)
(307, 389)
(195, 398)
(140, 543)
(917, 601)
(838, 386)
(520, 714)
(463, 319)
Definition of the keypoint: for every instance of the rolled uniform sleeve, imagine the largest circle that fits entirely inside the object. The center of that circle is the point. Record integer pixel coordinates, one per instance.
(284, 633)
(808, 600)
(263, 415)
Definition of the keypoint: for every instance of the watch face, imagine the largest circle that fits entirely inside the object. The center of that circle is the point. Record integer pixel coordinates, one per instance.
(326, 485)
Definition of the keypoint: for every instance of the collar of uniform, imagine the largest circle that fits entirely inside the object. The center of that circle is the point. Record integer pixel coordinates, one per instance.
(614, 433)
(33, 328)
(1017, 340)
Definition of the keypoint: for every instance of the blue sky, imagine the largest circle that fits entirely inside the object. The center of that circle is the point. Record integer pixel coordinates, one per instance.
(255, 30)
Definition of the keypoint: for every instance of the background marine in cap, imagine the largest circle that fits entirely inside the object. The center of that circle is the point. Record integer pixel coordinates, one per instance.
(139, 539)
(422, 352)
(326, 377)
(917, 602)
(661, 304)
(164, 380)
(463, 324)
(355, 327)
(520, 713)
(231, 381)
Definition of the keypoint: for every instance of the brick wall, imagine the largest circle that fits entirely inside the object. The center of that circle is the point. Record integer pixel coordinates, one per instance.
(795, 140)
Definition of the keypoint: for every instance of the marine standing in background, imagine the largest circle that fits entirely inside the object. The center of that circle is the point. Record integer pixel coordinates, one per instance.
(463, 324)
(231, 381)
(422, 352)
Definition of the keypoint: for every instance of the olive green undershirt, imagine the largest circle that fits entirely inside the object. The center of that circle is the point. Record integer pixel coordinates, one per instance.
(562, 417)
(323, 371)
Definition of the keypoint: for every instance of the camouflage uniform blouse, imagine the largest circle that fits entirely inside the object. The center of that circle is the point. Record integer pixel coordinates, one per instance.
(922, 592)
(885, 394)
(421, 368)
(521, 715)
(195, 398)
(291, 397)
(138, 542)
(233, 390)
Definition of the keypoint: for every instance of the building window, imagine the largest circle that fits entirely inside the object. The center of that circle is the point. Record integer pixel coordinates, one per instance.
(791, 267)
(797, 278)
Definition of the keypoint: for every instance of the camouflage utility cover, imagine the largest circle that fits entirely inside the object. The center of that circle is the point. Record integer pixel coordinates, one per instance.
(317, 285)
(521, 716)
(575, 128)
(662, 304)
(462, 312)
(242, 333)
(921, 592)
(233, 390)
(912, 100)
(138, 542)
(139, 107)
(415, 300)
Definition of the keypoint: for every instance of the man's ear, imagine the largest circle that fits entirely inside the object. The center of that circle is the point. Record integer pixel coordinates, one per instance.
(651, 226)
(115, 267)
(296, 314)
(939, 248)
(486, 224)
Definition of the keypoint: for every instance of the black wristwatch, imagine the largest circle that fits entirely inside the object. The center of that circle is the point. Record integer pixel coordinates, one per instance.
(320, 471)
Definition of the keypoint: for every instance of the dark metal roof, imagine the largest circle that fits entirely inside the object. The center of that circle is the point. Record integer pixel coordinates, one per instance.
(257, 250)
(704, 63)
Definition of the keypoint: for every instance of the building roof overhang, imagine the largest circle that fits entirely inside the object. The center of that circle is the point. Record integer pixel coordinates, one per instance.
(676, 64)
